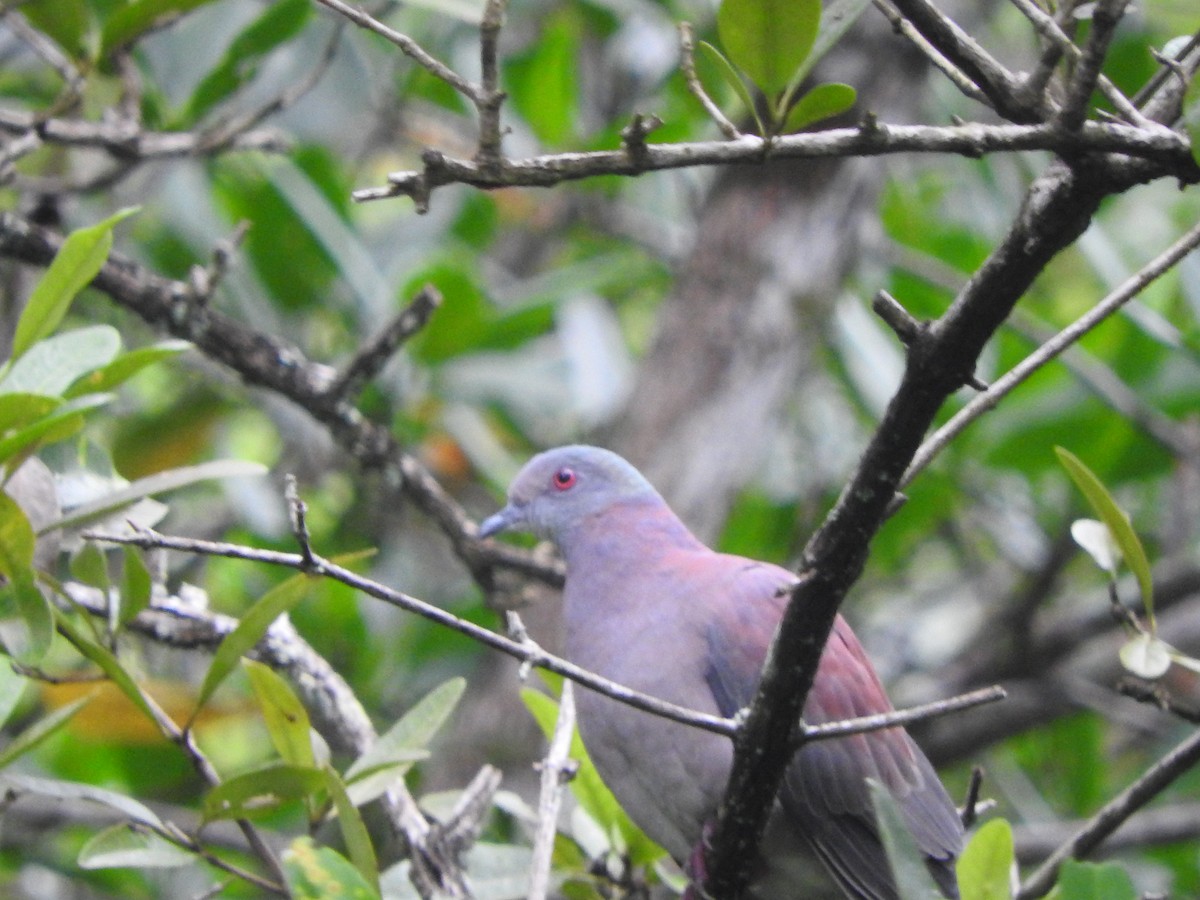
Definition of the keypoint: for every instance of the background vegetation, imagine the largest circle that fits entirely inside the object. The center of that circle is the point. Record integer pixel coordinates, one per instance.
(393, 255)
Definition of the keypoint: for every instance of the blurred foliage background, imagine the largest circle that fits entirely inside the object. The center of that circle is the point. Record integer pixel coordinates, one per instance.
(554, 302)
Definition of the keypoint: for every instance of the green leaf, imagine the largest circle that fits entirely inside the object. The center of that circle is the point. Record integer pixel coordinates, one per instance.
(71, 790)
(731, 76)
(318, 873)
(1094, 881)
(64, 421)
(159, 483)
(51, 365)
(126, 24)
(108, 663)
(120, 847)
(1114, 517)
(377, 769)
(250, 630)
(260, 792)
(68, 22)
(280, 22)
(90, 566)
(12, 687)
(985, 868)
(125, 367)
(543, 82)
(19, 410)
(40, 730)
(26, 623)
(823, 102)
(285, 716)
(354, 831)
(74, 266)
(768, 39)
(136, 584)
(589, 789)
(913, 881)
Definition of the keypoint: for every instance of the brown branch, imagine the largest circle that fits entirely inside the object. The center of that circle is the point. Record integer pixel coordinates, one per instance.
(1160, 145)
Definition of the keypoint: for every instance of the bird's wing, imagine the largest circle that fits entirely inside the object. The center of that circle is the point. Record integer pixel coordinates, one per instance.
(825, 788)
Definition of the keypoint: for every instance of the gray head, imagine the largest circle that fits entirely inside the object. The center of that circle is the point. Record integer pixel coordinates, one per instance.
(561, 487)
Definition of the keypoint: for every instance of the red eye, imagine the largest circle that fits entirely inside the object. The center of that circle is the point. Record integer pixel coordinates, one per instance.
(564, 479)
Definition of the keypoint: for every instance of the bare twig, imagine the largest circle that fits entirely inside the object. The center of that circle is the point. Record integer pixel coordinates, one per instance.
(904, 27)
(687, 47)
(1049, 350)
(1160, 145)
(407, 46)
(1113, 814)
(1105, 18)
(901, 717)
(374, 355)
(896, 317)
(557, 769)
(489, 98)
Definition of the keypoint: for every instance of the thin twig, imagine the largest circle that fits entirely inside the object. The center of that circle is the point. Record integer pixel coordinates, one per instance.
(557, 769)
(374, 355)
(407, 46)
(901, 717)
(902, 26)
(489, 98)
(1105, 18)
(1004, 385)
(687, 61)
(1152, 782)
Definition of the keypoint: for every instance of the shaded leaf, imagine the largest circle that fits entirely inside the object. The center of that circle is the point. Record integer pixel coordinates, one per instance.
(985, 868)
(1117, 521)
(913, 881)
(72, 790)
(732, 78)
(120, 846)
(136, 584)
(12, 686)
(286, 718)
(68, 22)
(261, 791)
(40, 730)
(64, 421)
(126, 24)
(18, 410)
(768, 39)
(354, 831)
(159, 483)
(26, 623)
(377, 769)
(823, 102)
(318, 873)
(73, 267)
(1094, 881)
(52, 365)
(250, 630)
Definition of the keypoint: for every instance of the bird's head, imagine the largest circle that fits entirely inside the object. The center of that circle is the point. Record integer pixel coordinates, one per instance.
(560, 488)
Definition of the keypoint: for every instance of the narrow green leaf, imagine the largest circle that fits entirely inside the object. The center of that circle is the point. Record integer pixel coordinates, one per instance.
(26, 625)
(125, 367)
(260, 792)
(377, 769)
(731, 76)
(71, 790)
(354, 831)
(58, 425)
(249, 631)
(589, 789)
(18, 410)
(279, 23)
(913, 881)
(126, 24)
(90, 565)
(12, 687)
(286, 718)
(985, 868)
(40, 730)
(1114, 517)
(68, 22)
(122, 847)
(823, 102)
(74, 266)
(108, 664)
(768, 39)
(1094, 881)
(159, 483)
(136, 584)
(318, 873)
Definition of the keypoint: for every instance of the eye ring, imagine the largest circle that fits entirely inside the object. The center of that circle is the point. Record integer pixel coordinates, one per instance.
(564, 479)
